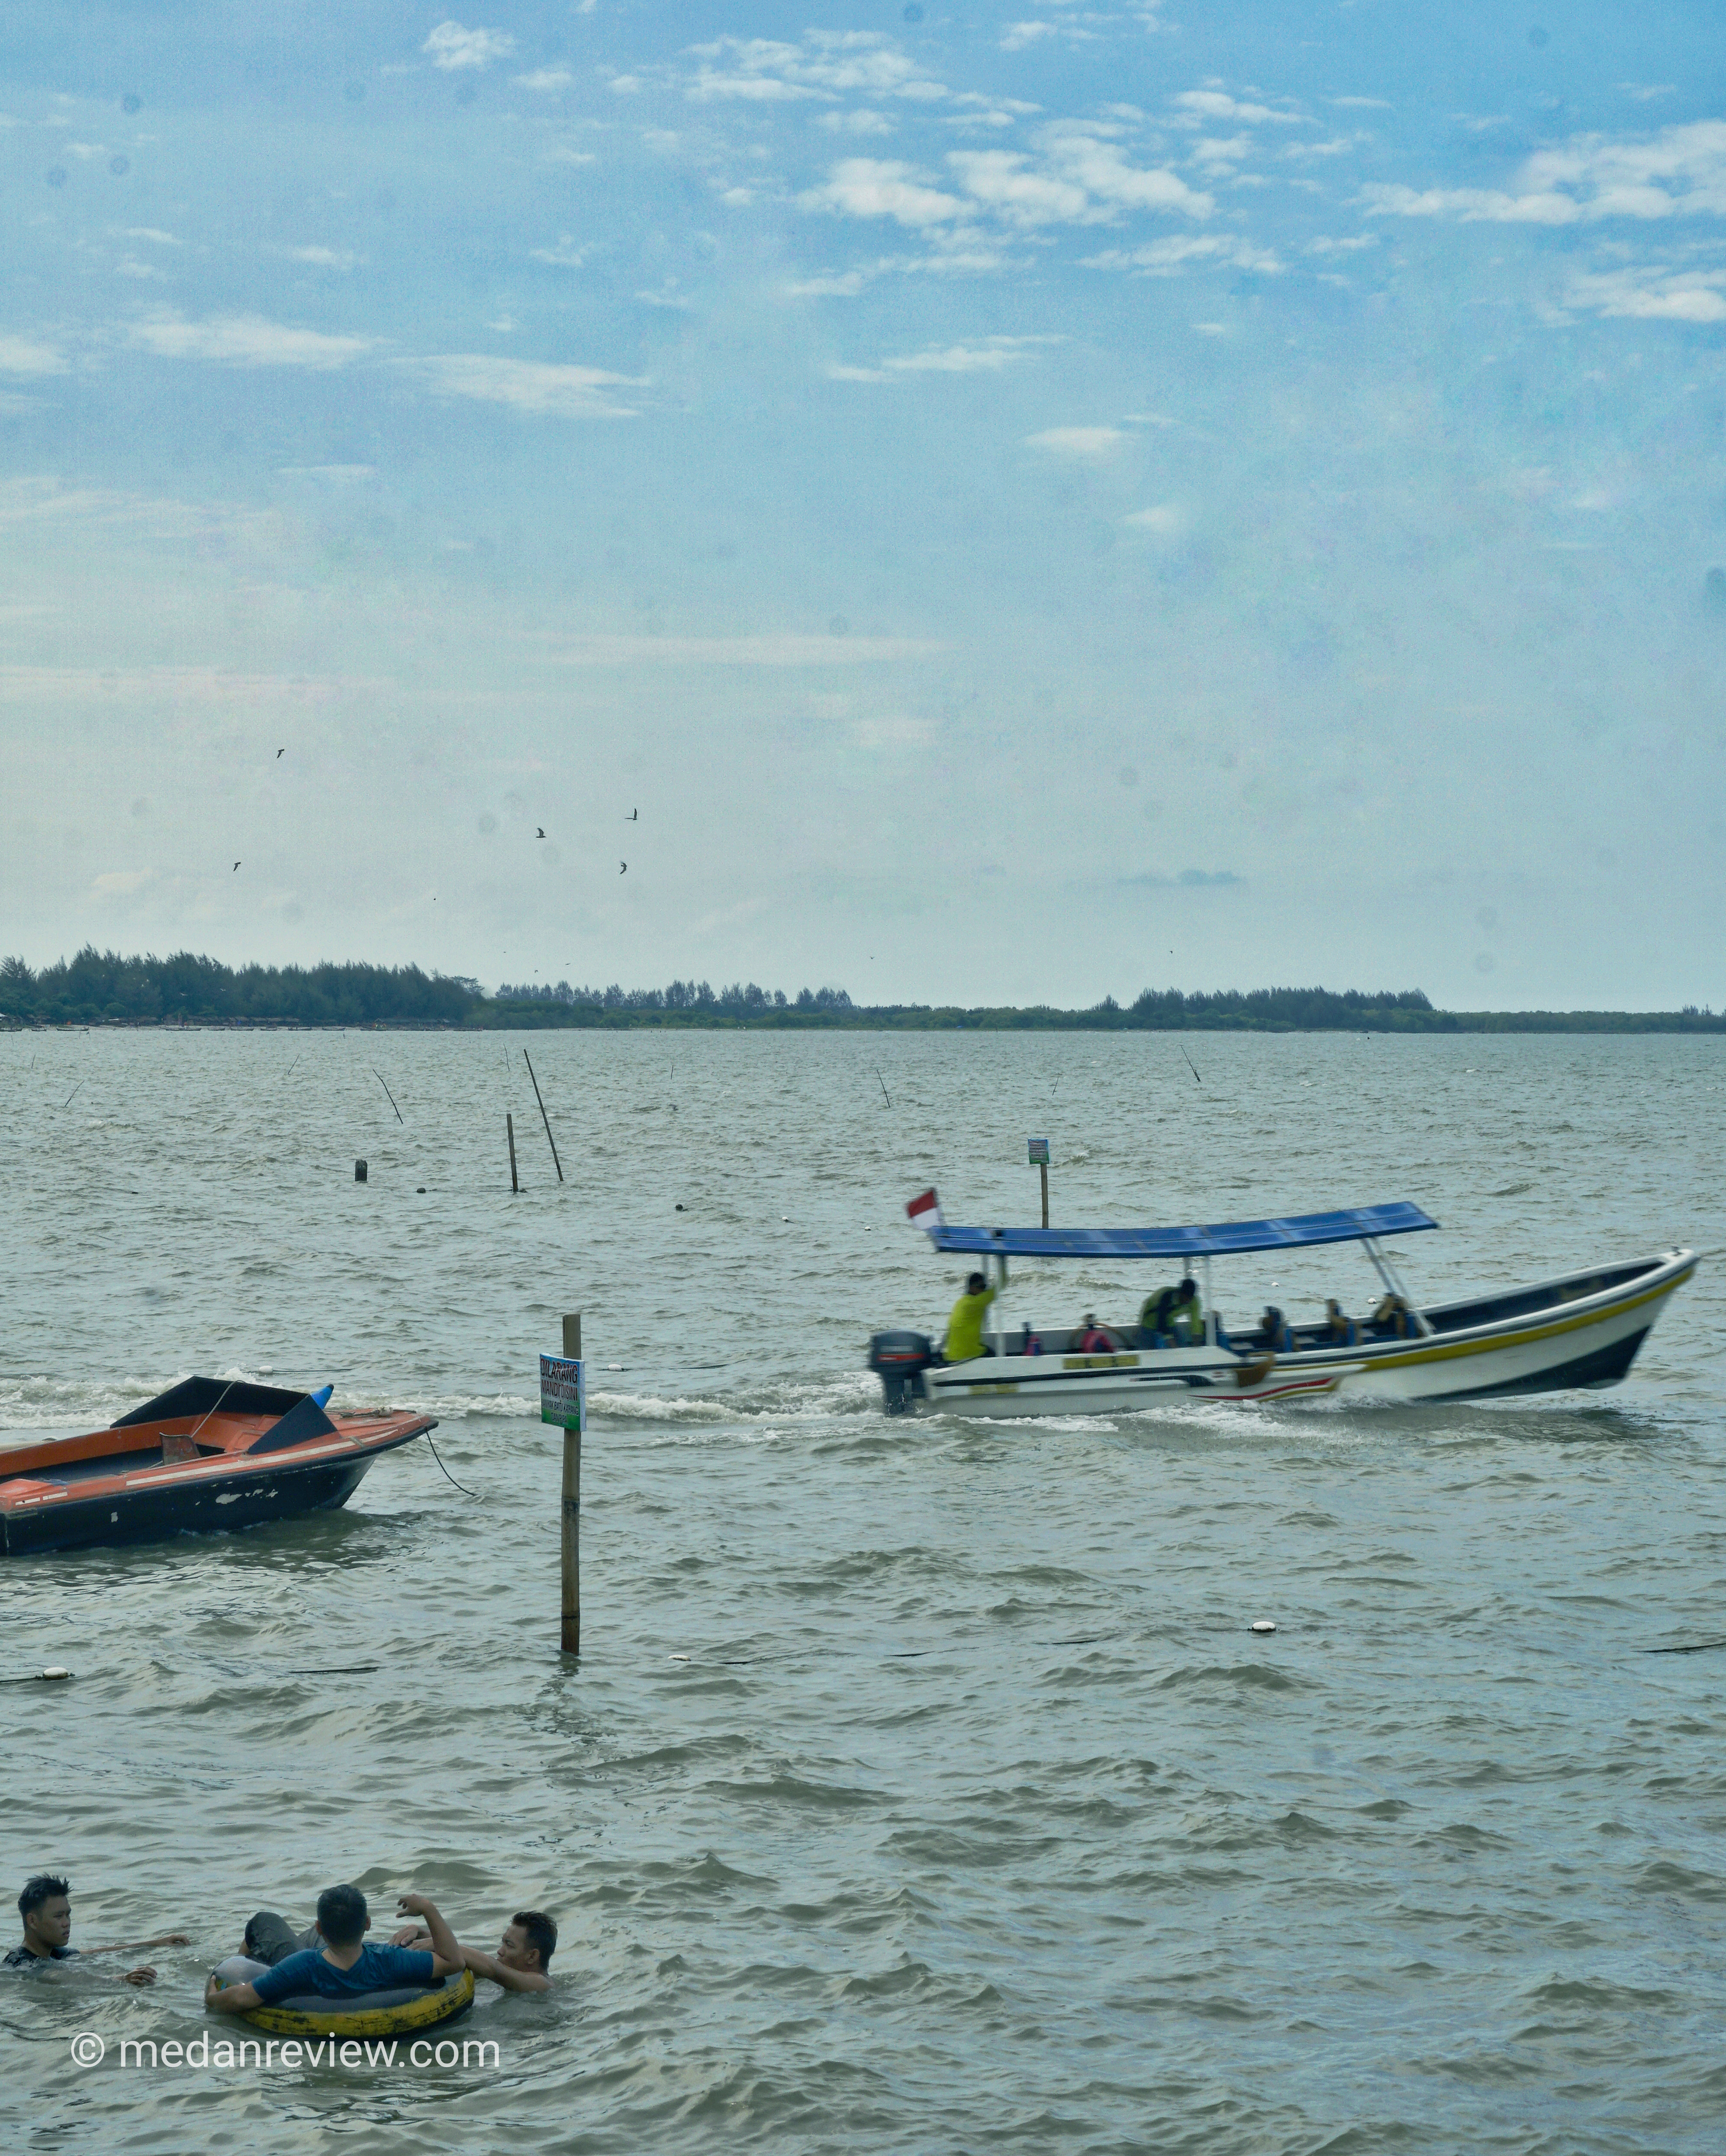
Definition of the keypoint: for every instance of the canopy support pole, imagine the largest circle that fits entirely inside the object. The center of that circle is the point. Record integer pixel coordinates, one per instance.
(1210, 1306)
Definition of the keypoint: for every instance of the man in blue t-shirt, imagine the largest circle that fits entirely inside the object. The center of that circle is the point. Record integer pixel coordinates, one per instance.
(345, 1965)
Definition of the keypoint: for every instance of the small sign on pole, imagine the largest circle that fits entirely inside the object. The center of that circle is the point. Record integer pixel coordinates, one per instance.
(1039, 1160)
(562, 1392)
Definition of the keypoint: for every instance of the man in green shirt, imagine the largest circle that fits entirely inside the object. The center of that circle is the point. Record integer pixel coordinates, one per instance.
(1174, 1313)
(965, 1328)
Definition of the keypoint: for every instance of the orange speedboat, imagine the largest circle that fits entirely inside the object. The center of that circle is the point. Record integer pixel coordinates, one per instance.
(206, 1454)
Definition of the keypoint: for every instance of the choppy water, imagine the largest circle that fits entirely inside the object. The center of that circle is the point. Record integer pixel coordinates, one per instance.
(920, 1787)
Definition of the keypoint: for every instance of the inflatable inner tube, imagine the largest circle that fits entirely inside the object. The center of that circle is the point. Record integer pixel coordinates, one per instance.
(398, 2013)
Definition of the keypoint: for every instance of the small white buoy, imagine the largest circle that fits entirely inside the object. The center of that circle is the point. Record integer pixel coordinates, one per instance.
(1262, 1624)
(55, 1672)
(677, 1658)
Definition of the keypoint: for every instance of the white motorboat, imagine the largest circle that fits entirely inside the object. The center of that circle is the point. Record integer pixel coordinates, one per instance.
(1581, 1330)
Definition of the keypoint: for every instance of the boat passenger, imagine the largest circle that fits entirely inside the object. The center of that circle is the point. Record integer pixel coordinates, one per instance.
(1273, 1331)
(345, 1965)
(522, 1962)
(1092, 1338)
(1173, 1315)
(964, 1325)
(1393, 1320)
(46, 1906)
(1339, 1327)
(1030, 1343)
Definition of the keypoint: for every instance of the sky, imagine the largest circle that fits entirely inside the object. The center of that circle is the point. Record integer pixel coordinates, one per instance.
(1011, 504)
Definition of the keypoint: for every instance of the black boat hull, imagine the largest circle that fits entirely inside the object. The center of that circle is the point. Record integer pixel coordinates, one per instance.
(263, 1492)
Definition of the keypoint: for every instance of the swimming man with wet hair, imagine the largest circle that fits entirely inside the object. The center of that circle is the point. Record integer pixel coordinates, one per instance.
(522, 1962)
(46, 1906)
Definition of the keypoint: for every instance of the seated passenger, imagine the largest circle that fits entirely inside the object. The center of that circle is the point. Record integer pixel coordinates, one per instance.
(1031, 1343)
(523, 1960)
(1392, 1320)
(1273, 1332)
(964, 1326)
(1092, 1338)
(1338, 1326)
(345, 1965)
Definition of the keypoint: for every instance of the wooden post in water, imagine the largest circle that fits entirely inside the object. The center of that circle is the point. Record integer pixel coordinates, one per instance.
(1039, 1149)
(572, 1506)
(509, 1124)
(544, 1116)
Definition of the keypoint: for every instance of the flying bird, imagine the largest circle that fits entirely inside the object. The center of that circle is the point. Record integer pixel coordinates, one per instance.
(280, 754)
(633, 816)
(622, 868)
(541, 832)
(236, 866)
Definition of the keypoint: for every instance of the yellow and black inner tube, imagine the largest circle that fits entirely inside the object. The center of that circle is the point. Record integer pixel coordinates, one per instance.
(370, 2014)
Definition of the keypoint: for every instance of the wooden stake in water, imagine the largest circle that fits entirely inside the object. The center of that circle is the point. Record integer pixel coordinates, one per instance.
(509, 1124)
(544, 1116)
(572, 1506)
(1039, 1149)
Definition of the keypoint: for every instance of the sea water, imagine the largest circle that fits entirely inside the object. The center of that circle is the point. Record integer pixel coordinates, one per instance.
(920, 1785)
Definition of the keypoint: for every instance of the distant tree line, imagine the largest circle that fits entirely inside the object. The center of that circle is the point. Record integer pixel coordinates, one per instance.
(102, 988)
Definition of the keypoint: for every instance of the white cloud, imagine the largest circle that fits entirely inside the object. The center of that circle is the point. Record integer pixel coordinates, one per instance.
(892, 733)
(625, 85)
(247, 341)
(827, 64)
(775, 648)
(545, 78)
(527, 386)
(129, 266)
(870, 187)
(326, 258)
(560, 153)
(998, 179)
(1362, 104)
(986, 358)
(845, 286)
(839, 373)
(1168, 258)
(1679, 173)
(1164, 519)
(1096, 163)
(862, 122)
(1092, 443)
(565, 255)
(342, 475)
(25, 356)
(450, 46)
(1639, 296)
(1199, 105)
(1351, 246)
(149, 231)
(1016, 36)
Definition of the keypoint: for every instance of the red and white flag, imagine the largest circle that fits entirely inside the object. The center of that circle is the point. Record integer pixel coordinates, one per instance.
(926, 1212)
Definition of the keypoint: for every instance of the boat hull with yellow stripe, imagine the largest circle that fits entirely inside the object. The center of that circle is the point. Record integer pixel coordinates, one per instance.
(1581, 1331)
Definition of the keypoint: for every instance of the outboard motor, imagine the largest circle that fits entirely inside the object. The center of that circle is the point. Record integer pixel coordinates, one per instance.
(898, 1360)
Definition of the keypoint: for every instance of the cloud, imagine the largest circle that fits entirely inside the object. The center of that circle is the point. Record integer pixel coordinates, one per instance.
(326, 258)
(827, 63)
(452, 47)
(150, 233)
(892, 733)
(1164, 517)
(870, 186)
(1188, 880)
(1679, 173)
(547, 79)
(998, 180)
(988, 358)
(25, 356)
(531, 386)
(247, 341)
(1168, 258)
(1200, 105)
(1091, 159)
(1645, 295)
(1016, 36)
(861, 121)
(776, 647)
(565, 255)
(1093, 443)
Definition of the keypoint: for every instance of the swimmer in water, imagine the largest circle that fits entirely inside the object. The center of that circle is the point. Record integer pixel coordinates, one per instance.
(46, 1906)
(522, 1962)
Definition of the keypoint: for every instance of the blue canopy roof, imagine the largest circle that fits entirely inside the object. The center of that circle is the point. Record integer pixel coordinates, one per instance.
(1223, 1238)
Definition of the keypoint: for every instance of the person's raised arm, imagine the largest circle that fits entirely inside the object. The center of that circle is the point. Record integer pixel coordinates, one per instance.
(445, 1951)
(139, 1946)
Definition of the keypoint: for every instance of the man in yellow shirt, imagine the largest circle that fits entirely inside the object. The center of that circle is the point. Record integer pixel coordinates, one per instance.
(965, 1328)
